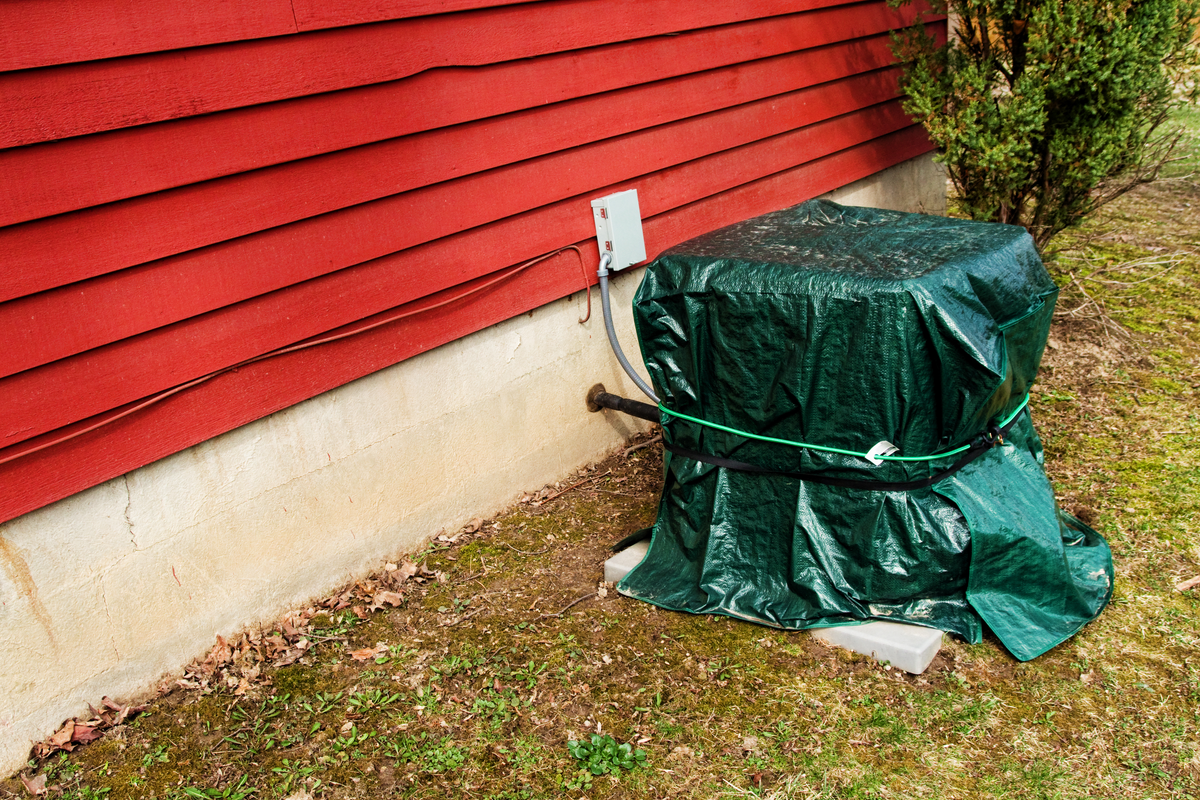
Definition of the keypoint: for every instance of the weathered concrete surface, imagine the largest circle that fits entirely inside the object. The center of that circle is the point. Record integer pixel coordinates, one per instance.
(622, 563)
(918, 185)
(909, 647)
(106, 592)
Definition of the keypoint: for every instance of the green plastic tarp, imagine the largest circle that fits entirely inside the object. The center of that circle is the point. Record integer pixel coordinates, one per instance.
(841, 328)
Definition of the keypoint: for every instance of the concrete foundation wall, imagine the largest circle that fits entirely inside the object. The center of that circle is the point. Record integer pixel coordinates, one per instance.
(106, 592)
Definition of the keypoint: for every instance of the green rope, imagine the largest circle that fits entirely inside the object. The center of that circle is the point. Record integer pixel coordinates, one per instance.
(838, 450)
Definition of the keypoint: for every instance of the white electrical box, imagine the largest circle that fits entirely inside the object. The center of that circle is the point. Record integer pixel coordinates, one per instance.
(619, 228)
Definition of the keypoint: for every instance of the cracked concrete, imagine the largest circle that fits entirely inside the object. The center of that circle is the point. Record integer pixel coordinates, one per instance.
(128, 515)
(112, 639)
(240, 529)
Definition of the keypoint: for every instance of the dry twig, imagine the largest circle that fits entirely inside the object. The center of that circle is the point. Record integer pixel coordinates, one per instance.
(576, 486)
(569, 606)
(463, 618)
(647, 443)
(1104, 286)
(526, 552)
(1190, 583)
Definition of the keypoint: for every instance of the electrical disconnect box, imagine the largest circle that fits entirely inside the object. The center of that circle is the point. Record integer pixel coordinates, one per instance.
(619, 228)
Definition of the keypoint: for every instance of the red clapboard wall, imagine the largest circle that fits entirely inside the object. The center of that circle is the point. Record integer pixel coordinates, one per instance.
(211, 210)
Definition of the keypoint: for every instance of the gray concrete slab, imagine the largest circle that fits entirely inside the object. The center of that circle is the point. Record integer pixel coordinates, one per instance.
(619, 565)
(908, 647)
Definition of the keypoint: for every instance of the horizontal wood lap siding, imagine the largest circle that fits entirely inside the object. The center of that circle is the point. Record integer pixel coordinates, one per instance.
(217, 276)
(253, 392)
(162, 358)
(37, 33)
(45, 254)
(71, 100)
(314, 203)
(75, 173)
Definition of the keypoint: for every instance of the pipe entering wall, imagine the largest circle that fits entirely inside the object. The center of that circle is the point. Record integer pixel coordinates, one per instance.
(598, 398)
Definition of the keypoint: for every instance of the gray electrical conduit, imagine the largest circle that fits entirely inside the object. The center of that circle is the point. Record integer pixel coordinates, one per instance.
(605, 259)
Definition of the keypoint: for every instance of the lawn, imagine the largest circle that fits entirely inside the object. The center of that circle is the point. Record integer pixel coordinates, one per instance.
(484, 666)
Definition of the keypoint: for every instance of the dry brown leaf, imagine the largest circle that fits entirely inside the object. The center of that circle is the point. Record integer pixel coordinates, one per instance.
(82, 734)
(383, 598)
(221, 654)
(77, 731)
(296, 622)
(368, 653)
(35, 786)
(63, 736)
(288, 658)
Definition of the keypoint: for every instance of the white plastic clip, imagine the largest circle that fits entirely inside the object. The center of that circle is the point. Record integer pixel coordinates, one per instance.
(881, 449)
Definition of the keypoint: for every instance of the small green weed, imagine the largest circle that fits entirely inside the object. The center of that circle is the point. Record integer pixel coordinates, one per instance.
(292, 774)
(351, 743)
(322, 702)
(373, 700)
(602, 755)
(443, 757)
(333, 625)
(498, 707)
(87, 793)
(528, 674)
(238, 791)
(459, 605)
(156, 756)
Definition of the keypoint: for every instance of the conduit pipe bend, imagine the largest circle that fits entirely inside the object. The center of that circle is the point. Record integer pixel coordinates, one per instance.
(602, 273)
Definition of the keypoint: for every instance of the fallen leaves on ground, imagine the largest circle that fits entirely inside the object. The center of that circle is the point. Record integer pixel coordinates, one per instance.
(75, 732)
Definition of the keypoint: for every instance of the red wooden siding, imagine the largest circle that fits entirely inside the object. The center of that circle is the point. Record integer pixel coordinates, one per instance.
(37, 33)
(54, 103)
(352, 173)
(78, 173)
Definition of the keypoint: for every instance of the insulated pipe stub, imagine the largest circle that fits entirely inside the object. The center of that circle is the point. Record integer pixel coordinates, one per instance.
(598, 399)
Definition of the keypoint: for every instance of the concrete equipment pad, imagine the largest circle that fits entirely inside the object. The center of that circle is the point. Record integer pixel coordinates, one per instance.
(908, 647)
(619, 565)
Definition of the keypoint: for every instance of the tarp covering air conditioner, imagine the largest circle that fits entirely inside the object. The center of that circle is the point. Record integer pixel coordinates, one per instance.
(842, 328)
